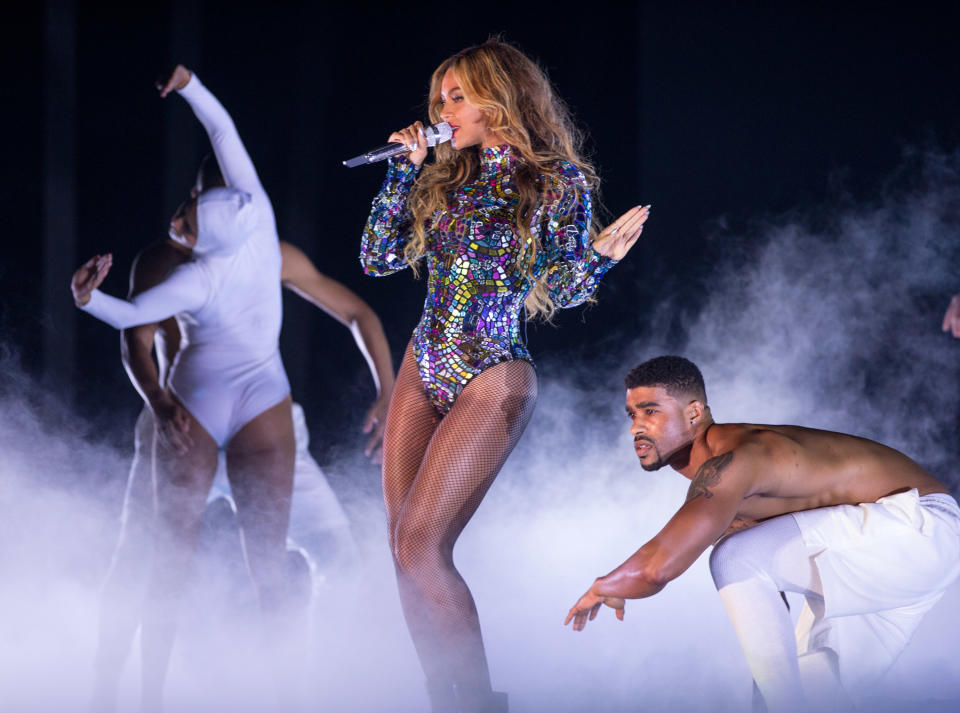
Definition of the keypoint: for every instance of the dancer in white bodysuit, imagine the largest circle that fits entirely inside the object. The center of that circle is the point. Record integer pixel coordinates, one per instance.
(226, 387)
(227, 298)
(318, 523)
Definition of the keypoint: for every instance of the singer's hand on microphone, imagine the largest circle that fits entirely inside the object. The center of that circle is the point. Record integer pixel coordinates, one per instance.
(413, 138)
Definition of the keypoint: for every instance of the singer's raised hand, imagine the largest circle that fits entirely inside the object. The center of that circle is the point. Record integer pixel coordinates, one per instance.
(616, 239)
(412, 137)
(178, 80)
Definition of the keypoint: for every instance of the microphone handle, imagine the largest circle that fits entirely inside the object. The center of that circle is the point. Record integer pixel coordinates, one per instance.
(377, 154)
(432, 135)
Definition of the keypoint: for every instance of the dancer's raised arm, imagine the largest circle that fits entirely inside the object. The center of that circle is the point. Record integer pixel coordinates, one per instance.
(235, 163)
(182, 291)
(300, 275)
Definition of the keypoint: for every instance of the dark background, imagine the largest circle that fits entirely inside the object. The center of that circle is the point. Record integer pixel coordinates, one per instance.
(715, 114)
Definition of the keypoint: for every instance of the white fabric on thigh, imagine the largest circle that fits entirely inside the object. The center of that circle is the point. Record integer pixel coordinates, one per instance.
(315, 507)
(750, 569)
(883, 565)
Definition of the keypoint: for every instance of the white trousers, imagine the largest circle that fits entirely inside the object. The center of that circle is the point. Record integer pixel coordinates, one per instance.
(868, 574)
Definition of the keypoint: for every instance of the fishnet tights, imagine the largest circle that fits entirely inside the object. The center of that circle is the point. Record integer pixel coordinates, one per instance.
(436, 470)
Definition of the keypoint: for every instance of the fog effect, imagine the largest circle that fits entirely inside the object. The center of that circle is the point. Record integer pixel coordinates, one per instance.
(828, 319)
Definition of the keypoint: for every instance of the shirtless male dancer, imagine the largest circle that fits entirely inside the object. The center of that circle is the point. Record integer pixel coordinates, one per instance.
(865, 534)
(227, 387)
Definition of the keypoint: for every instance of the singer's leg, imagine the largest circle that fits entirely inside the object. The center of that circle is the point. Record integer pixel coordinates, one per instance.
(463, 457)
(411, 421)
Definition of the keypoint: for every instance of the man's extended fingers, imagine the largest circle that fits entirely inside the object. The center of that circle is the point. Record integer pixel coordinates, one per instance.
(593, 610)
(573, 615)
(579, 617)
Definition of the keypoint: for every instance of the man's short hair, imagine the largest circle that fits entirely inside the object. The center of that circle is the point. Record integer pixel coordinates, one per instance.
(680, 377)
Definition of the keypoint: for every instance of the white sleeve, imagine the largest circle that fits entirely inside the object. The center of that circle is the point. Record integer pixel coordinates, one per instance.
(184, 290)
(235, 163)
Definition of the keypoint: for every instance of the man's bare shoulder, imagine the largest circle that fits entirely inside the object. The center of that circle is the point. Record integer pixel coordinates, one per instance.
(725, 437)
(799, 468)
(760, 451)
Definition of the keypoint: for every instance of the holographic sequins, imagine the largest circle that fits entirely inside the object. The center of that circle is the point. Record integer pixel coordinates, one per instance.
(476, 288)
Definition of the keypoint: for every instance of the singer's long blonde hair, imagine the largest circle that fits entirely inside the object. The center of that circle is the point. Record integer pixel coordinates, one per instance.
(520, 105)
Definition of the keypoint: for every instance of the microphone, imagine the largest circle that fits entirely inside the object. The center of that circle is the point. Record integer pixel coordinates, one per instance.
(436, 134)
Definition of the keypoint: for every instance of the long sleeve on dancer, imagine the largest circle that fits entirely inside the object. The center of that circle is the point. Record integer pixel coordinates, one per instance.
(573, 268)
(389, 224)
(234, 161)
(183, 291)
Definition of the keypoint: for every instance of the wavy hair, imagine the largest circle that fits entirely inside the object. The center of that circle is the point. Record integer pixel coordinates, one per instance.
(519, 104)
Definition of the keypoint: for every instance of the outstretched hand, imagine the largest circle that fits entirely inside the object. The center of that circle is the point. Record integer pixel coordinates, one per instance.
(374, 423)
(587, 607)
(89, 277)
(178, 80)
(951, 320)
(616, 239)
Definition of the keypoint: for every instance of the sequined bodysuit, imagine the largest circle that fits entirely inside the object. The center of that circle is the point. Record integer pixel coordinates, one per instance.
(476, 288)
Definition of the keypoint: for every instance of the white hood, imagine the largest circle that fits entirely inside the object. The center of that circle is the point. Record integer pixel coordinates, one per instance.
(225, 220)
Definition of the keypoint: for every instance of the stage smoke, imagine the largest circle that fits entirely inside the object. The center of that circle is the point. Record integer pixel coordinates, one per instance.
(828, 319)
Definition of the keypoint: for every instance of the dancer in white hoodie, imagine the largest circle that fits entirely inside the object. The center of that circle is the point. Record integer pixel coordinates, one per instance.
(226, 388)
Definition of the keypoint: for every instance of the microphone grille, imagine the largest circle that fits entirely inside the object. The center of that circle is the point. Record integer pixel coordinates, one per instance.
(438, 133)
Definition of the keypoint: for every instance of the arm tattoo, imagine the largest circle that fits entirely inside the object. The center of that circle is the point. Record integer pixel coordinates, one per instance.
(708, 475)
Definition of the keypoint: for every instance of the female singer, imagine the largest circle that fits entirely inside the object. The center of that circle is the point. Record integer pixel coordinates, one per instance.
(503, 218)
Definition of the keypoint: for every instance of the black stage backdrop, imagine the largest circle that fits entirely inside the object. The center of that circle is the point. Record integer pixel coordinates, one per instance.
(719, 115)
